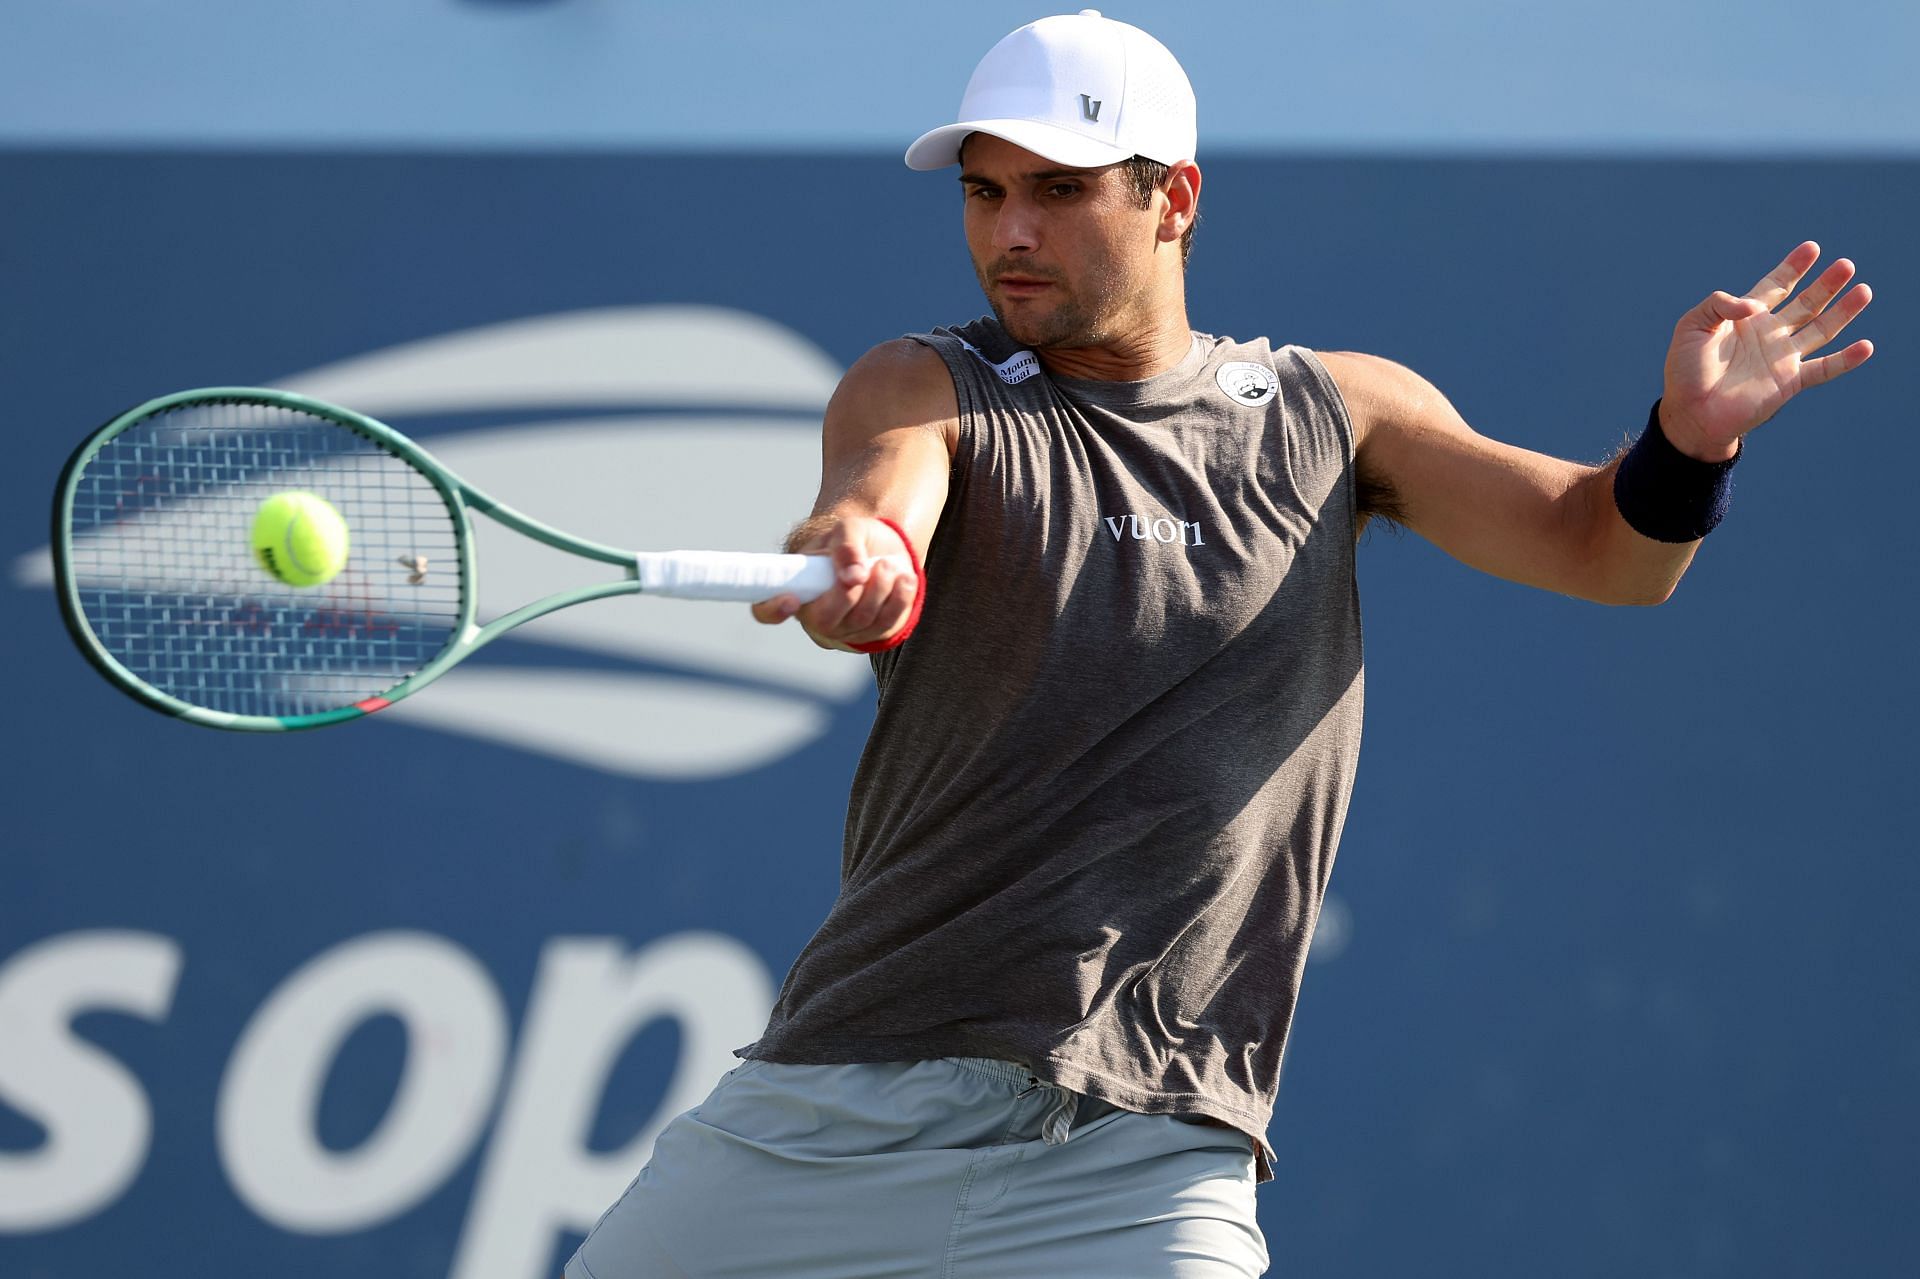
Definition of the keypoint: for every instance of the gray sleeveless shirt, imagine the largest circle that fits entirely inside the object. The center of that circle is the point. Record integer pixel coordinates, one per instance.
(1095, 819)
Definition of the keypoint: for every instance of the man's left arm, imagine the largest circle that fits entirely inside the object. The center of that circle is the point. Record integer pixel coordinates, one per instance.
(1555, 524)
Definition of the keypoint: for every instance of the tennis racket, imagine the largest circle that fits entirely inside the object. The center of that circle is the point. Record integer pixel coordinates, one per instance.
(157, 579)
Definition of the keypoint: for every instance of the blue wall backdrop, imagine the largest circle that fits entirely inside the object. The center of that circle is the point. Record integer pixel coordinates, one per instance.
(759, 74)
(1617, 977)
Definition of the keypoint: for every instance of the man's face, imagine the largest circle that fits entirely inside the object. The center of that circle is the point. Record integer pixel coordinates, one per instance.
(1064, 255)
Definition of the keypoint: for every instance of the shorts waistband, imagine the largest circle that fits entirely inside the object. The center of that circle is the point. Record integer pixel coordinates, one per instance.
(1007, 1072)
(1063, 1104)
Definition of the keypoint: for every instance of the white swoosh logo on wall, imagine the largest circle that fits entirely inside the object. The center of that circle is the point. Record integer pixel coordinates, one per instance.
(613, 356)
(734, 695)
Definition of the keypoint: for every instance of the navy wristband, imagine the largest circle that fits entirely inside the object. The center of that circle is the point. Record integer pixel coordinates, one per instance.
(1664, 494)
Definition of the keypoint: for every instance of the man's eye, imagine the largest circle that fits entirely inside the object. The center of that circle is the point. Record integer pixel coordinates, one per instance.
(1063, 189)
(982, 193)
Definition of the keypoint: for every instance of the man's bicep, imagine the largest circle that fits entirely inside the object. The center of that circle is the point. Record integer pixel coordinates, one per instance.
(1505, 510)
(888, 438)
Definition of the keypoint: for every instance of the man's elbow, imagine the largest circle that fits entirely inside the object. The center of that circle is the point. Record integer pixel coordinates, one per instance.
(1658, 595)
(1639, 594)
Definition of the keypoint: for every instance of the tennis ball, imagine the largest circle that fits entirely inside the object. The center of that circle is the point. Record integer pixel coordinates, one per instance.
(300, 538)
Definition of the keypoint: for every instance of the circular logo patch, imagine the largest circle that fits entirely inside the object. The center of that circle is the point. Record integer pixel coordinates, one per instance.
(1245, 383)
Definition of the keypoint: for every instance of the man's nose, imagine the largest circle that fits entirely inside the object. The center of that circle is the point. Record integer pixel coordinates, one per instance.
(1017, 228)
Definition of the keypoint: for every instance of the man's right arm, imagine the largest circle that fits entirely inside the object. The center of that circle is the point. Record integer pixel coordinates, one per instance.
(887, 445)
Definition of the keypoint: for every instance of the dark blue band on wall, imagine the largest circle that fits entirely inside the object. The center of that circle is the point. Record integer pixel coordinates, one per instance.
(1666, 495)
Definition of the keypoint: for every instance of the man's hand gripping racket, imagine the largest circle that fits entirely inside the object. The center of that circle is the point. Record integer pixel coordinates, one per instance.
(157, 515)
(874, 602)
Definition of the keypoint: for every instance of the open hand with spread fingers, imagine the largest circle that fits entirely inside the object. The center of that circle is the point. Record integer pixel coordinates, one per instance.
(1735, 360)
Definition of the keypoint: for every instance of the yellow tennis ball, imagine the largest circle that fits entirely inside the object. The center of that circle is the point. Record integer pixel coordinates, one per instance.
(300, 538)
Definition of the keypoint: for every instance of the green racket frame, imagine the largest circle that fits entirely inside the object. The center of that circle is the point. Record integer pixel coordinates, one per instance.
(460, 497)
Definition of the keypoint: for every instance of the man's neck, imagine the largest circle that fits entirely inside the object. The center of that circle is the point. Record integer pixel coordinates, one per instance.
(1144, 351)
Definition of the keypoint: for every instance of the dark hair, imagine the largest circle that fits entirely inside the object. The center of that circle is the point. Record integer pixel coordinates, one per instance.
(1375, 498)
(1149, 176)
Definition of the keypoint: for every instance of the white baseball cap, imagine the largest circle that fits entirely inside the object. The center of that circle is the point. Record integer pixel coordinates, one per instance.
(1081, 90)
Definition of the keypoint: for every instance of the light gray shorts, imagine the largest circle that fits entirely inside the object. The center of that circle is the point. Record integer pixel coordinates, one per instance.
(960, 1168)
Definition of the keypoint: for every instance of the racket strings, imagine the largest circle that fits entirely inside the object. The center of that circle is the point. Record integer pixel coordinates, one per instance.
(165, 572)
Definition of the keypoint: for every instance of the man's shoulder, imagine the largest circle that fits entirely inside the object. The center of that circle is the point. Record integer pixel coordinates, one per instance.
(1382, 393)
(1366, 370)
(903, 362)
(900, 381)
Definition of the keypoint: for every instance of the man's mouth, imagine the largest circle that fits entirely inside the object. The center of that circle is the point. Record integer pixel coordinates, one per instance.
(1022, 286)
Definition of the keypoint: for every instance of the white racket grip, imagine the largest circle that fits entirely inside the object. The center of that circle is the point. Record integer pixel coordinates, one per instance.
(743, 576)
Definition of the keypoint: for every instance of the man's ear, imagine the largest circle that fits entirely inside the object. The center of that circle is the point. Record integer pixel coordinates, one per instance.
(1183, 201)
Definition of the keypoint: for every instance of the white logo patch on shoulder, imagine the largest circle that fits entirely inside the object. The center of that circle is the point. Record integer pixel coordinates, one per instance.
(1013, 370)
(1247, 383)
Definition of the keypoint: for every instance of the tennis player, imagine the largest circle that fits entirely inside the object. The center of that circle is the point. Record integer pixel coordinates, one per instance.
(1040, 1033)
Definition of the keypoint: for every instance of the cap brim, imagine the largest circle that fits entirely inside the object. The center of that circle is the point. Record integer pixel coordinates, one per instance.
(941, 147)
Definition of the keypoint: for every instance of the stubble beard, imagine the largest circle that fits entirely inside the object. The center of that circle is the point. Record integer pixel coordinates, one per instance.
(1067, 325)
(1071, 323)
